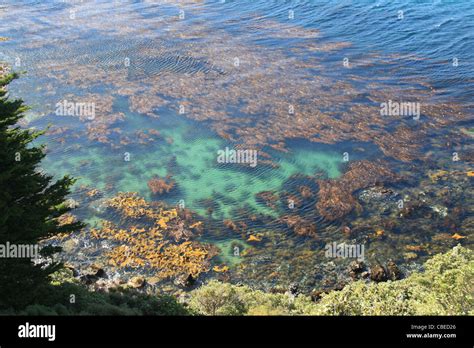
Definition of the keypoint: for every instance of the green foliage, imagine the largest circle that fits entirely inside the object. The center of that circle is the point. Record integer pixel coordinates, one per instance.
(219, 299)
(63, 275)
(56, 300)
(216, 298)
(446, 287)
(30, 201)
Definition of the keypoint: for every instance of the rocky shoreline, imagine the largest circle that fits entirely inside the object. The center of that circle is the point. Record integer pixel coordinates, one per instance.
(381, 225)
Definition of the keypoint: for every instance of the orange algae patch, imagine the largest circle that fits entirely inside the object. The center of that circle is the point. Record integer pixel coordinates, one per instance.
(92, 193)
(147, 244)
(438, 175)
(130, 205)
(159, 186)
(379, 233)
(219, 269)
(414, 247)
(254, 238)
(197, 224)
(457, 236)
(66, 219)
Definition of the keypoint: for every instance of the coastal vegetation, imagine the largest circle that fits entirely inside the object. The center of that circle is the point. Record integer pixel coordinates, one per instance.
(445, 287)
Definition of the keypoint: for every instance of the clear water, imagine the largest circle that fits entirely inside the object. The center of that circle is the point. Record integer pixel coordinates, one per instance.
(74, 48)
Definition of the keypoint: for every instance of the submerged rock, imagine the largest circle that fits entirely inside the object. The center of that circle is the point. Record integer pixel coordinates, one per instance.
(99, 206)
(394, 272)
(185, 281)
(137, 282)
(347, 230)
(378, 273)
(356, 268)
(293, 290)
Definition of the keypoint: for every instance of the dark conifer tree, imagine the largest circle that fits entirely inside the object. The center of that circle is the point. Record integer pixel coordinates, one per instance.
(30, 202)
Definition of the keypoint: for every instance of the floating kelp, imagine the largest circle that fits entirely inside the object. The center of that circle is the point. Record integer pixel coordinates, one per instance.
(269, 198)
(143, 104)
(159, 186)
(231, 225)
(275, 84)
(335, 198)
(94, 193)
(305, 192)
(254, 238)
(131, 205)
(162, 247)
(300, 226)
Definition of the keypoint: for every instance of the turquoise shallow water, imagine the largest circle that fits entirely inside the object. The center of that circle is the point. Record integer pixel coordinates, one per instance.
(191, 158)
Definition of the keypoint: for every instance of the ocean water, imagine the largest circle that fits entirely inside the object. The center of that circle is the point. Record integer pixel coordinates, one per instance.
(301, 82)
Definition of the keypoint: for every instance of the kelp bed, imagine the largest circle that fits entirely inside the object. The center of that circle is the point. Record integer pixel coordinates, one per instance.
(168, 102)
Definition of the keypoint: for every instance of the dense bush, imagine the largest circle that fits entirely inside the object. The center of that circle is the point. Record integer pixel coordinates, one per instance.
(446, 287)
(56, 300)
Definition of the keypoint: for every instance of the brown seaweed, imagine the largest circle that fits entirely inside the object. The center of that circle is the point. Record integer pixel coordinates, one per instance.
(335, 198)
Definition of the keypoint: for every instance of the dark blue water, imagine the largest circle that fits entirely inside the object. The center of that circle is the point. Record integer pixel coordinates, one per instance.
(436, 31)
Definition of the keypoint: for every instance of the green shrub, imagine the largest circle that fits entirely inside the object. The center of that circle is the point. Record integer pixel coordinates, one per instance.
(218, 299)
(446, 287)
(55, 300)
